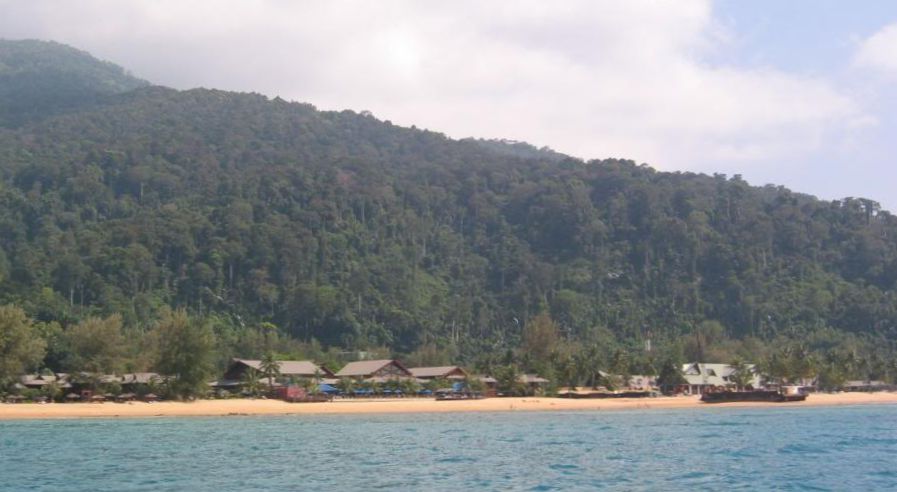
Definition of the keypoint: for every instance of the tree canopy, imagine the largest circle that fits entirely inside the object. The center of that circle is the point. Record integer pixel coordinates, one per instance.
(340, 230)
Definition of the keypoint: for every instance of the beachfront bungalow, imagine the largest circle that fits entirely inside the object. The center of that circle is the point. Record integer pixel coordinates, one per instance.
(39, 381)
(140, 382)
(234, 376)
(533, 382)
(867, 386)
(369, 369)
(442, 372)
(288, 368)
(702, 376)
(490, 384)
(641, 382)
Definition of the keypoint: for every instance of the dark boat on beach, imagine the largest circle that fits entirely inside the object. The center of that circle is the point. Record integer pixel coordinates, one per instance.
(787, 394)
(606, 394)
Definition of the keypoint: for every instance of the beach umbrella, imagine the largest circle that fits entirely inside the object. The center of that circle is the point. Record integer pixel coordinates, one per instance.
(72, 396)
(326, 388)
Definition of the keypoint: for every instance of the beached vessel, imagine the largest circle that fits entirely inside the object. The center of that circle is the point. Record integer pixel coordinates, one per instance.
(786, 394)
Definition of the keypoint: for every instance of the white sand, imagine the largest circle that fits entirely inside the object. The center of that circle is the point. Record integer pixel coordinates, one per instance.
(410, 405)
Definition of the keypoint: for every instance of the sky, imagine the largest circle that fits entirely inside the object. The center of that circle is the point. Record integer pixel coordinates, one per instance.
(801, 93)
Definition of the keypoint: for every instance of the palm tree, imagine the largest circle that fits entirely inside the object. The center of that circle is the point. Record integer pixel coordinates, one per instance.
(52, 390)
(409, 386)
(741, 375)
(270, 368)
(670, 376)
(570, 373)
(251, 382)
(474, 384)
(345, 385)
(508, 378)
(309, 385)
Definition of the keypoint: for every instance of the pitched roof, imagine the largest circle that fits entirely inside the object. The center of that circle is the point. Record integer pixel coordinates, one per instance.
(702, 373)
(366, 367)
(288, 367)
(641, 381)
(532, 379)
(859, 383)
(433, 372)
(139, 378)
(34, 380)
(386, 379)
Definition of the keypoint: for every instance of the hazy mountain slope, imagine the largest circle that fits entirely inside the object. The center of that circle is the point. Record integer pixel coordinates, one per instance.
(39, 79)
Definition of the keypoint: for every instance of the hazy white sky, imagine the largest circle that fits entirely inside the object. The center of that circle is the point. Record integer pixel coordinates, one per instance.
(800, 94)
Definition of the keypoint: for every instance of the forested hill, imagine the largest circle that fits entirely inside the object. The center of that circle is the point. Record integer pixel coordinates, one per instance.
(40, 79)
(359, 233)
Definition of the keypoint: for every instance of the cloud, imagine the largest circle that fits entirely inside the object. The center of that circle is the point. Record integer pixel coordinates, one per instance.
(879, 51)
(592, 78)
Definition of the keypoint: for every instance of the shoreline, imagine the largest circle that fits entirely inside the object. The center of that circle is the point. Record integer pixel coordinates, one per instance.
(243, 407)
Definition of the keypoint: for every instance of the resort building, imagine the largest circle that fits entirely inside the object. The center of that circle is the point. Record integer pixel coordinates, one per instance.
(140, 382)
(441, 372)
(641, 382)
(868, 386)
(701, 376)
(38, 381)
(533, 381)
(288, 368)
(235, 374)
(377, 370)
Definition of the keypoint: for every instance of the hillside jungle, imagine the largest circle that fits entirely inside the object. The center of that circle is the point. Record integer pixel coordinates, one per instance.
(142, 226)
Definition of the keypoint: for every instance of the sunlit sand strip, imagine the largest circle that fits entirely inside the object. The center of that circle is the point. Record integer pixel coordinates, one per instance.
(276, 407)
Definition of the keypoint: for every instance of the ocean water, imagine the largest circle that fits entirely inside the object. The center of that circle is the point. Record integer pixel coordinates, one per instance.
(843, 448)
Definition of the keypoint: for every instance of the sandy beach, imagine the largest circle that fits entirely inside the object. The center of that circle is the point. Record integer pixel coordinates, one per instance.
(276, 407)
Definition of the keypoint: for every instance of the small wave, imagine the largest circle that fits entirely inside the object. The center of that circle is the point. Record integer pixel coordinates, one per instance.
(543, 486)
(456, 459)
(885, 474)
(693, 475)
(802, 449)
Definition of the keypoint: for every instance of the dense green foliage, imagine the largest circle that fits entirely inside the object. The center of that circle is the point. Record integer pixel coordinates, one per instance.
(39, 79)
(340, 229)
(21, 346)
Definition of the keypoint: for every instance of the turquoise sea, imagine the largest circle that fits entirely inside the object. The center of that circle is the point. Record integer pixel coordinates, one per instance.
(843, 448)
